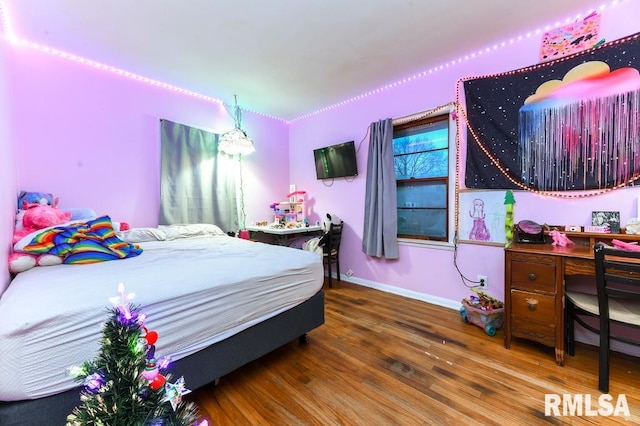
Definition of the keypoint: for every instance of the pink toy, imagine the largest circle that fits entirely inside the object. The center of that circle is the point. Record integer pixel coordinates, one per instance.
(625, 246)
(36, 217)
(296, 193)
(20, 262)
(560, 239)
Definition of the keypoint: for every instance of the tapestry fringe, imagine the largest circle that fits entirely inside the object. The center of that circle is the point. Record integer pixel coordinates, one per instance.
(595, 140)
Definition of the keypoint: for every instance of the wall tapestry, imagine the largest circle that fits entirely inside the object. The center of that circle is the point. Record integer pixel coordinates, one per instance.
(570, 38)
(568, 124)
(481, 217)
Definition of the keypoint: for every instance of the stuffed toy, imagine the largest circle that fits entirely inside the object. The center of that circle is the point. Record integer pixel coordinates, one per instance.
(326, 225)
(39, 216)
(317, 244)
(331, 218)
(35, 198)
(35, 217)
(560, 239)
(32, 199)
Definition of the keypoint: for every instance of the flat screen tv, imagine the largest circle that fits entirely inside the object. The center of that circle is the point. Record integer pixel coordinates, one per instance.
(336, 161)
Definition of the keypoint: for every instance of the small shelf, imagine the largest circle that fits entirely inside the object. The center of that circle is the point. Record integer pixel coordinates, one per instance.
(591, 238)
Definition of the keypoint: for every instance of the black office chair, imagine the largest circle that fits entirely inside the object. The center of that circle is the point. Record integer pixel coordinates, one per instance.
(330, 243)
(617, 302)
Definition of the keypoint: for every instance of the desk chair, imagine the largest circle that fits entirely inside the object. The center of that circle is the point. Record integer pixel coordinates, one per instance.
(617, 302)
(331, 248)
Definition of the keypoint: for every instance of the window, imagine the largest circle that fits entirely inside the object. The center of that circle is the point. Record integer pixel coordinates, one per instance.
(421, 156)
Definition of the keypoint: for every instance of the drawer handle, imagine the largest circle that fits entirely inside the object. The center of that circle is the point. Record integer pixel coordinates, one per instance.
(532, 277)
(533, 304)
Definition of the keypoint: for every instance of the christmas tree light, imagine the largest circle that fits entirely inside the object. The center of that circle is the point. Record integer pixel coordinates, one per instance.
(125, 384)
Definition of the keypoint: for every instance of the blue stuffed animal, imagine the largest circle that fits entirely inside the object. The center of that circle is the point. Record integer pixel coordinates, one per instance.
(34, 198)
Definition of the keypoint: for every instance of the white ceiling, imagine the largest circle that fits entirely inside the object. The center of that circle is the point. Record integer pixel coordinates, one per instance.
(283, 58)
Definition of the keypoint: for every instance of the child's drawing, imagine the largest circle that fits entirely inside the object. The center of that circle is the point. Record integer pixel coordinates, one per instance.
(482, 216)
(479, 232)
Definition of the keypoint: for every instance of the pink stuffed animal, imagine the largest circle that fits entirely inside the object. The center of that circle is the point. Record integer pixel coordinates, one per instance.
(34, 218)
(560, 239)
(39, 216)
(20, 262)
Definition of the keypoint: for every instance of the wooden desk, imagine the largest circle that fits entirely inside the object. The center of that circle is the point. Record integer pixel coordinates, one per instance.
(534, 286)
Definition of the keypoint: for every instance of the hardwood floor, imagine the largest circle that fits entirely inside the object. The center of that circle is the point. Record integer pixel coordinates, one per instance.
(382, 359)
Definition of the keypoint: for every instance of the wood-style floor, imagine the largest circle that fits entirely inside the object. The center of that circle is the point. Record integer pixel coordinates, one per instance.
(382, 359)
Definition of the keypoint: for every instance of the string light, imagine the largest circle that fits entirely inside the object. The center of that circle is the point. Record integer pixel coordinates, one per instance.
(467, 57)
(10, 36)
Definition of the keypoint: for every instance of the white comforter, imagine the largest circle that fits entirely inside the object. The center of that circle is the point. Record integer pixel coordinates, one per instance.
(194, 291)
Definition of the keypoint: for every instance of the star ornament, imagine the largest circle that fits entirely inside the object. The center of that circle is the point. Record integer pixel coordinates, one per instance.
(173, 392)
(121, 302)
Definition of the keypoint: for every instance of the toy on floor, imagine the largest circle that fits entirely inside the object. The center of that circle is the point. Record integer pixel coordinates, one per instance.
(483, 311)
(560, 239)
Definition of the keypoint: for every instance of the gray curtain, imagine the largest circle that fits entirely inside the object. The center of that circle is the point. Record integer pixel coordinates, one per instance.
(380, 236)
(197, 184)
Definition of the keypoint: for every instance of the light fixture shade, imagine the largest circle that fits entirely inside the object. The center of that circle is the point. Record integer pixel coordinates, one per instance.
(236, 141)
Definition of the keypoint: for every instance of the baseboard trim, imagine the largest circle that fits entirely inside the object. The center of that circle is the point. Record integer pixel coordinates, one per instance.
(440, 301)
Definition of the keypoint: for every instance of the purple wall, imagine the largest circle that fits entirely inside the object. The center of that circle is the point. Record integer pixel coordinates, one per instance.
(91, 138)
(8, 189)
(425, 272)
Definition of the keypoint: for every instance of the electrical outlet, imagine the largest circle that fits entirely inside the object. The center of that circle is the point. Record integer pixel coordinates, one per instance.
(349, 273)
(483, 282)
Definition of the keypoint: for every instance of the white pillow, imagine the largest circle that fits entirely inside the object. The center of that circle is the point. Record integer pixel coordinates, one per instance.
(141, 235)
(81, 214)
(190, 230)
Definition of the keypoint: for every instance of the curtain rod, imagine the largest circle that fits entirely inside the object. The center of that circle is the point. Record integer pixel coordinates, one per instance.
(421, 115)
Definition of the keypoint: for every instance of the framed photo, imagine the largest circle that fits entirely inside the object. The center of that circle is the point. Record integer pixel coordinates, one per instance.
(610, 219)
(481, 217)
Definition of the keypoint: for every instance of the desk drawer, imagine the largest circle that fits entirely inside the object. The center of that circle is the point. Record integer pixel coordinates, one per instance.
(529, 274)
(532, 331)
(533, 308)
(579, 267)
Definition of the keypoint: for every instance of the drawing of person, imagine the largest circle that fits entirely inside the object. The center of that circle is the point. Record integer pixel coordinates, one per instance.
(479, 231)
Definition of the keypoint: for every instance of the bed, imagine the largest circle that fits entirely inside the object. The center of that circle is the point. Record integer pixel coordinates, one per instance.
(217, 303)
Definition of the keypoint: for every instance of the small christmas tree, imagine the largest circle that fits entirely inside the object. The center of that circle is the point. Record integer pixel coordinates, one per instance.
(125, 384)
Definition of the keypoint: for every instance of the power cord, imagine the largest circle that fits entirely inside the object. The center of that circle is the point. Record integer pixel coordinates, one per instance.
(464, 279)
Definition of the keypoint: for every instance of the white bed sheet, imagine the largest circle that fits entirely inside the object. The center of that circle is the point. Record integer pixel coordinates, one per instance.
(194, 291)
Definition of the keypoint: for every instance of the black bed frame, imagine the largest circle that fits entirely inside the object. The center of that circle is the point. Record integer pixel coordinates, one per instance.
(198, 369)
